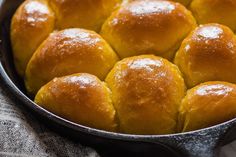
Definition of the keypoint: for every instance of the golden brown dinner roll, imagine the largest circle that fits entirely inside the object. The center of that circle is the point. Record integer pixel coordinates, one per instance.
(146, 93)
(208, 54)
(67, 52)
(153, 26)
(81, 98)
(217, 11)
(184, 2)
(89, 14)
(206, 105)
(31, 24)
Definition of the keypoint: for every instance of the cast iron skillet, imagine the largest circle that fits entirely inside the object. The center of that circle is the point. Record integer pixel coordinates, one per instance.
(201, 143)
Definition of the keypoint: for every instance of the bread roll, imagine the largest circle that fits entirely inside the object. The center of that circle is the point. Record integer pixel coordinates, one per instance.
(146, 93)
(208, 54)
(153, 26)
(217, 11)
(89, 14)
(81, 98)
(31, 24)
(184, 2)
(67, 52)
(206, 105)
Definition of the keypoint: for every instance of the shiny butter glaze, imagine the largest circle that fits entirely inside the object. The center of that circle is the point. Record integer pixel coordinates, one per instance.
(146, 90)
(206, 105)
(31, 24)
(208, 54)
(151, 8)
(36, 12)
(81, 98)
(141, 27)
(67, 52)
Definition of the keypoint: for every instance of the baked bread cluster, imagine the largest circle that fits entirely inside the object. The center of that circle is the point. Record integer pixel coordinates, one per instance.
(131, 66)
